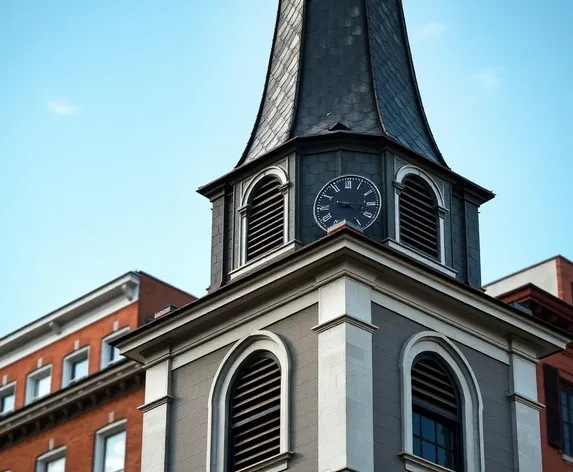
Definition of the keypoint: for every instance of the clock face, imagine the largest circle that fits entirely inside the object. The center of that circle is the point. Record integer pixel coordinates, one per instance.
(351, 198)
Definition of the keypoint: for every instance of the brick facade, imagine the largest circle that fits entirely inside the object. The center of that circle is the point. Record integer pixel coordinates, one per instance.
(78, 435)
(74, 421)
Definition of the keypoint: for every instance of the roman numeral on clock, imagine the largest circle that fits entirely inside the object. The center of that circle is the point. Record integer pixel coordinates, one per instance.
(367, 214)
(324, 208)
(326, 218)
(335, 187)
(348, 183)
(368, 193)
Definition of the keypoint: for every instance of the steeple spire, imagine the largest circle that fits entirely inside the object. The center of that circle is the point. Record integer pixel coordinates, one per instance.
(341, 65)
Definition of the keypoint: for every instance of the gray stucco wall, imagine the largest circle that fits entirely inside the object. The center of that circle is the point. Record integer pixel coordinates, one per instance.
(192, 384)
(492, 376)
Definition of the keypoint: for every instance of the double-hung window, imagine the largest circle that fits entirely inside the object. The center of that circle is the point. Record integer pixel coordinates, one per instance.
(39, 384)
(110, 448)
(110, 354)
(75, 366)
(7, 398)
(53, 461)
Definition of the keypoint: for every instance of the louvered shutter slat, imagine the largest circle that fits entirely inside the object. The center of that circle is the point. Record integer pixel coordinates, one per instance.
(255, 414)
(265, 220)
(432, 388)
(418, 217)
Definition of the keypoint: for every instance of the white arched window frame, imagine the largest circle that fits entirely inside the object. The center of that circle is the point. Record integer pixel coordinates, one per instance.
(471, 399)
(218, 425)
(440, 202)
(281, 175)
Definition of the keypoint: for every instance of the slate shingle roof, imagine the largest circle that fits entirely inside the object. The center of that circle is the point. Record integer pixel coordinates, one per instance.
(341, 64)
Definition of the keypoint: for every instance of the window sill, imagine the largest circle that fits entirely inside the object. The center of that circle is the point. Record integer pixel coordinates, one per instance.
(277, 463)
(434, 264)
(414, 463)
(263, 259)
(567, 459)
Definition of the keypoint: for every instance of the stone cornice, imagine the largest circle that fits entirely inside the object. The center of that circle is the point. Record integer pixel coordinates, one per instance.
(70, 402)
(345, 319)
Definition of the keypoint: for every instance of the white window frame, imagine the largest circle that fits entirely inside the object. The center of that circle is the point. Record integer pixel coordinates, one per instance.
(43, 460)
(440, 202)
(281, 175)
(100, 436)
(471, 401)
(6, 390)
(31, 380)
(105, 342)
(217, 426)
(80, 354)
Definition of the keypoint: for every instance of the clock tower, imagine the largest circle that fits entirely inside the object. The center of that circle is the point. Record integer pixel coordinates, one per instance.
(345, 328)
(341, 106)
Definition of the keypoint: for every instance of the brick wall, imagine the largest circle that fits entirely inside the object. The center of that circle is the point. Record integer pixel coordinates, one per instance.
(552, 460)
(564, 279)
(155, 295)
(54, 353)
(78, 435)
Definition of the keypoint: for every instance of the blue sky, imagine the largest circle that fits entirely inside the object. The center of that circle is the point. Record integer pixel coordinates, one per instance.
(113, 113)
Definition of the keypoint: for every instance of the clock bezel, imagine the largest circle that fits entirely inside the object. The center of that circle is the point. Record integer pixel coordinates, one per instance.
(373, 185)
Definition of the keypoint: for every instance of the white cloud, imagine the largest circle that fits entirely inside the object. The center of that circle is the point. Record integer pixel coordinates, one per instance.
(432, 29)
(489, 78)
(61, 107)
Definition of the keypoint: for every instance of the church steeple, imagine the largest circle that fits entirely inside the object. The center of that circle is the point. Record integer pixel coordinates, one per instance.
(341, 65)
(341, 136)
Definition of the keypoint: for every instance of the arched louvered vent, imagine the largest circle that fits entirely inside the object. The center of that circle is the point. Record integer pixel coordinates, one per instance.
(433, 389)
(419, 217)
(255, 413)
(266, 219)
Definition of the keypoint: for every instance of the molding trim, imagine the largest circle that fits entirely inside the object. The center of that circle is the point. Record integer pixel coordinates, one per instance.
(472, 403)
(167, 399)
(217, 426)
(263, 259)
(65, 403)
(439, 266)
(527, 401)
(369, 327)
(417, 464)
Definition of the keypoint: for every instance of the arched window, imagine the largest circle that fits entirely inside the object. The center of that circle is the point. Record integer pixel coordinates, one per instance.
(419, 225)
(442, 407)
(436, 419)
(255, 415)
(249, 407)
(265, 218)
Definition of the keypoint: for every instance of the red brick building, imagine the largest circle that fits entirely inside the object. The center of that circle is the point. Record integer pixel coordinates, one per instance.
(546, 291)
(68, 400)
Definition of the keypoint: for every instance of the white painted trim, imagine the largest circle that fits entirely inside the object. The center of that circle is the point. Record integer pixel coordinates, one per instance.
(100, 436)
(69, 319)
(31, 380)
(7, 390)
(472, 403)
(217, 425)
(82, 353)
(414, 463)
(411, 252)
(402, 173)
(282, 176)
(103, 363)
(263, 259)
(43, 460)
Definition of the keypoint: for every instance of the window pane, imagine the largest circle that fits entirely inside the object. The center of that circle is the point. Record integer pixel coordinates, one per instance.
(428, 429)
(416, 424)
(7, 403)
(57, 465)
(417, 447)
(429, 451)
(79, 369)
(444, 435)
(563, 398)
(42, 386)
(566, 439)
(114, 451)
(445, 458)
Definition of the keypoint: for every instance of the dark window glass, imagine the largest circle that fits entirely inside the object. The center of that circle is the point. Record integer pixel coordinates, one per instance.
(567, 418)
